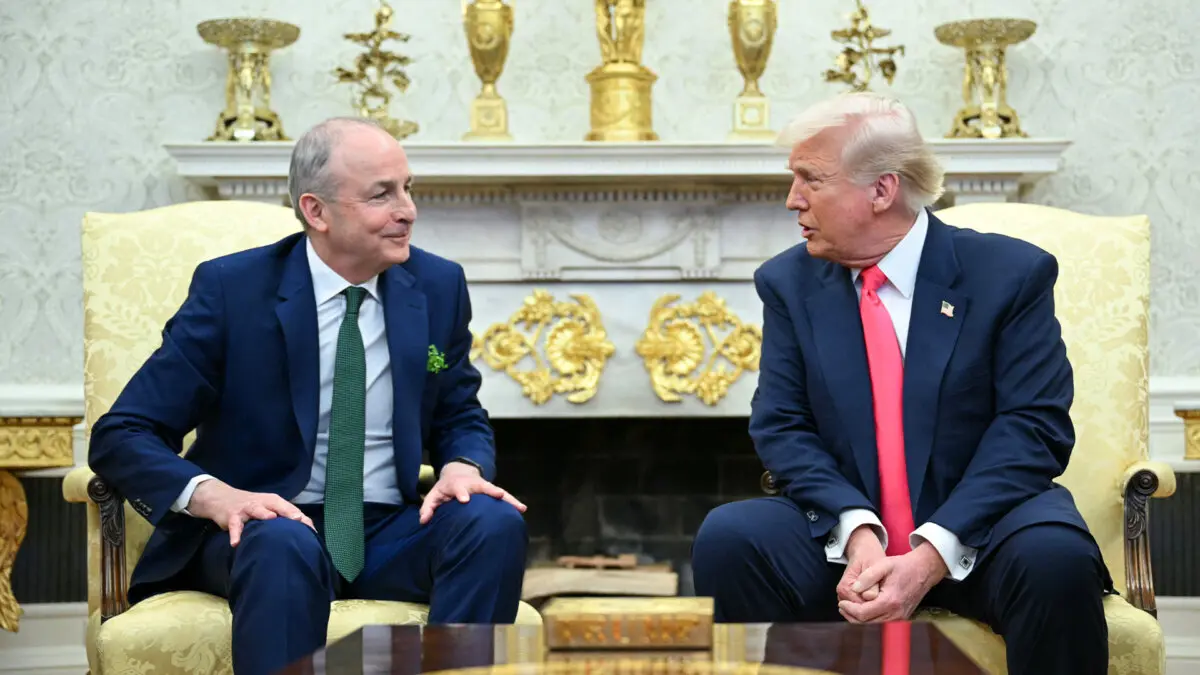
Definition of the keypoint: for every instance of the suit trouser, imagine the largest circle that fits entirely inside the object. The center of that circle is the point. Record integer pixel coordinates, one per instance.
(467, 563)
(1042, 589)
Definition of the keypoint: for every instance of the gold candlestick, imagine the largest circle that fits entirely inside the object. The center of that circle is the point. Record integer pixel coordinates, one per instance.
(752, 27)
(373, 68)
(489, 27)
(621, 109)
(985, 112)
(247, 115)
(861, 54)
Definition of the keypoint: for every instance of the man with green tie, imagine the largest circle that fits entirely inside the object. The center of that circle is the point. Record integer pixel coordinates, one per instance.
(316, 371)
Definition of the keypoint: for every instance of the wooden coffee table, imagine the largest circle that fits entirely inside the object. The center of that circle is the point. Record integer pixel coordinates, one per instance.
(782, 649)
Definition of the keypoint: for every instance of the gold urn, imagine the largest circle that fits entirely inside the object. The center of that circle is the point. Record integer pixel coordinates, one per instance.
(985, 112)
(489, 28)
(752, 26)
(247, 115)
(621, 85)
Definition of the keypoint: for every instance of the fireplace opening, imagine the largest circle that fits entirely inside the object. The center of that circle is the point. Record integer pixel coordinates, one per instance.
(614, 486)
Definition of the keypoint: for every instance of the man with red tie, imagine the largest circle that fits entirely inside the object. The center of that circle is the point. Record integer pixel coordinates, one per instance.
(913, 407)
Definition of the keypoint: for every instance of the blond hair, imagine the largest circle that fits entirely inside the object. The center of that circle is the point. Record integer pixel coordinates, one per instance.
(883, 139)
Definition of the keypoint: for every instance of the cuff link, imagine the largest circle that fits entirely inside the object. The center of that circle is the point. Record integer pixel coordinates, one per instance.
(833, 540)
(965, 562)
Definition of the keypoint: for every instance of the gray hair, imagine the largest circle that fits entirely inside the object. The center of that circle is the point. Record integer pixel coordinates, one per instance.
(309, 169)
(884, 139)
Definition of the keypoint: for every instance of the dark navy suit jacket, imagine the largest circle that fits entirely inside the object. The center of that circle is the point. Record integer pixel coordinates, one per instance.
(239, 364)
(987, 390)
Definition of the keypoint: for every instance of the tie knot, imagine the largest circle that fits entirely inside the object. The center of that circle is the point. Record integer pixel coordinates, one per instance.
(354, 298)
(873, 278)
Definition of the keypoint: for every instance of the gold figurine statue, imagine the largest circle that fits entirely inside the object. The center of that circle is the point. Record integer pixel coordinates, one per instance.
(860, 53)
(247, 115)
(373, 67)
(985, 112)
(752, 27)
(621, 84)
(489, 27)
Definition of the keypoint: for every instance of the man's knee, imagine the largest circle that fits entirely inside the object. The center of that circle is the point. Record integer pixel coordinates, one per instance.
(281, 539)
(1054, 560)
(485, 517)
(727, 531)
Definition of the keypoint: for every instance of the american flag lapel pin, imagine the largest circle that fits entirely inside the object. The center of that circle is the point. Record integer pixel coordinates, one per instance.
(947, 309)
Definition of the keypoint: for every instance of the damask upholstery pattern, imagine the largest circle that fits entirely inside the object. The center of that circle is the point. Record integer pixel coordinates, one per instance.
(1115, 77)
(1101, 300)
(136, 272)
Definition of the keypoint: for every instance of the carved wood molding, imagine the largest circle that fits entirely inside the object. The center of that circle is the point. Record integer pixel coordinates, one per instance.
(114, 588)
(37, 442)
(1139, 578)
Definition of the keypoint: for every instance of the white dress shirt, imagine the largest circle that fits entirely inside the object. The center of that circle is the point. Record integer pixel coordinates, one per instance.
(379, 474)
(900, 267)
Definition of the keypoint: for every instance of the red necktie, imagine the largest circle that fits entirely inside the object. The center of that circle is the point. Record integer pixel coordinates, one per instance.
(887, 390)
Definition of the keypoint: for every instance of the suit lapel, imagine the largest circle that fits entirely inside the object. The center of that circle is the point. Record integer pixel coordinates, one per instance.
(837, 331)
(297, 313)
(407, 323)
(932, 333)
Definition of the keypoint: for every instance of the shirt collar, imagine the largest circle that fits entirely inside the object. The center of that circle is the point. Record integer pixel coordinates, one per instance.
(901, 263)
(327, 284)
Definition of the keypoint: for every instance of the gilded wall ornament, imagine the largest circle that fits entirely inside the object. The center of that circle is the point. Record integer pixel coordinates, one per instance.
(680, 361)
(576, 347)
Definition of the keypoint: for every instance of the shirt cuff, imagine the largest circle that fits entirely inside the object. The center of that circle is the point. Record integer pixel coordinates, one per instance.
(959, 559)
(180, 505)
(848, 522)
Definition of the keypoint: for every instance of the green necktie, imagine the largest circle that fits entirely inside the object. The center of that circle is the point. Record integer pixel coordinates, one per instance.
(347, 435)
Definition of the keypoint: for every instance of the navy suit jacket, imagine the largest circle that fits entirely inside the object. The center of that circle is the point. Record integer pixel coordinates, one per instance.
(987, 390)
(239, 364)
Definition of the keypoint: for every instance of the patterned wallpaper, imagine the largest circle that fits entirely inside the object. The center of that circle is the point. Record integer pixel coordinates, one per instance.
(91, 90)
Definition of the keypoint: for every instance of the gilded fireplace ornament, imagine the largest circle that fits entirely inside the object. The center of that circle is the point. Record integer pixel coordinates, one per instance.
(675, 353)
(374, 69)
(576, 347)
(860, 58)
(985, 112)
(247, 115)
(489, 28)
(752, 26)
(621, 84)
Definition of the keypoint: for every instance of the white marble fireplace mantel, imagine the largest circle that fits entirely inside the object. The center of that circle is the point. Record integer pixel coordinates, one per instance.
(608, 232)
(976, 170)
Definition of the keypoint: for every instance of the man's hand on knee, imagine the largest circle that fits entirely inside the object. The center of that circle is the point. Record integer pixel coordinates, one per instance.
(460, 481)
(903, 581)
(232, 508)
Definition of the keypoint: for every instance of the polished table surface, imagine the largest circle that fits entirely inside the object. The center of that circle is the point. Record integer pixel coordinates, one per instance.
(762, 649)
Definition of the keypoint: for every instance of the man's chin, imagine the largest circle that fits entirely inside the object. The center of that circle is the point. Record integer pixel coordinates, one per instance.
(396, 251)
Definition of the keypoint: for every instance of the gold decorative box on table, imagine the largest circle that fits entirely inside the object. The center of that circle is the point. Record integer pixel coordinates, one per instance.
(601, 624)
(25, 443)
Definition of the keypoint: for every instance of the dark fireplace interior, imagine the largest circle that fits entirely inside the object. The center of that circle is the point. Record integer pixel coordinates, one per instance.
(610, 486)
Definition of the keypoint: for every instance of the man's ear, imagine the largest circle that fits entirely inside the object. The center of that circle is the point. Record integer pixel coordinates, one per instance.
(884, 192)
(315, 211)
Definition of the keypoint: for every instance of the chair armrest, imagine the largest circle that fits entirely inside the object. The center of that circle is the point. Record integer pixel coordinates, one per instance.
(81, 485)
(1141, 481)
(74, 485)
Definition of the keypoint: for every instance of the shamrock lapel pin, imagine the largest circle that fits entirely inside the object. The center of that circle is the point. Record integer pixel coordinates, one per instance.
(437, 360)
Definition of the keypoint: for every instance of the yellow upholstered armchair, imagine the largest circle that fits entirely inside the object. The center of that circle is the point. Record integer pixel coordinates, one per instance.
(136, 272)
(1102, 299)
